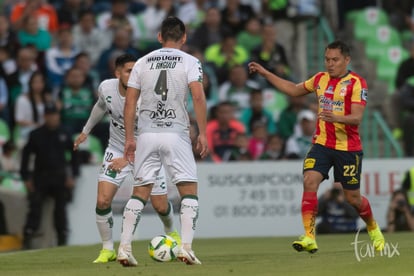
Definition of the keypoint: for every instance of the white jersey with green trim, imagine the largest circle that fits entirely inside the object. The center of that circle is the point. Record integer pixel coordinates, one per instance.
(163, 77)
(113, 102)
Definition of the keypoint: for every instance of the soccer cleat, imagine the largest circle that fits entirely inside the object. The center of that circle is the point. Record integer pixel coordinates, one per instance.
(105, 256)
(305, 244)
(187, 256)
(377, 238)
(175, 236)
(125, 257)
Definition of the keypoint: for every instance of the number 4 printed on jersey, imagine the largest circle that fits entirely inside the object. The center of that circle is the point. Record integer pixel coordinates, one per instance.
(161, 85)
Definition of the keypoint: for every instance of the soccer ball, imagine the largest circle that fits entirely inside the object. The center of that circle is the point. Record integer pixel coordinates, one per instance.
(162, 248)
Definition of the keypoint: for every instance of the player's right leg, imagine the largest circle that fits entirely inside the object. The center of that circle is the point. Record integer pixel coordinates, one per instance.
(315, 168)
(131, 218)
(163, 207)
(108, 184)
(104, 221)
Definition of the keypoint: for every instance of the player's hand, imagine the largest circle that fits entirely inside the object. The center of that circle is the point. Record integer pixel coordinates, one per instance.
(327, 116)
(79, 140)
(118, 164)
(202, 146)
(129, 152)
(255, 67)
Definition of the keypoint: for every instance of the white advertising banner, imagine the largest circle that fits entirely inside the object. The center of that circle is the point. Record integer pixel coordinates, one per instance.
(244, 199)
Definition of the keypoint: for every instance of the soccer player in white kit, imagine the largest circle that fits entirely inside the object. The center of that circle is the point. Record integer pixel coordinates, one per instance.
(115, 168)
(162, 80)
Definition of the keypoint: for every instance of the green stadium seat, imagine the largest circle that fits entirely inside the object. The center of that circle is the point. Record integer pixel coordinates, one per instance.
(378, 44)
(388, 64)
(4, 132)
(365, 22)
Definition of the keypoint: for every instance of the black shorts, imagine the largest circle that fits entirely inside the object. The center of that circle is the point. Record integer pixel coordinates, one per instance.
(347, 165)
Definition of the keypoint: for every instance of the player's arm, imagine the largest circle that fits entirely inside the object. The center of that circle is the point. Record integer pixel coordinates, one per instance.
(200, 109)
(354, 118)
(131, 99)
(97, 113)
(285, 86)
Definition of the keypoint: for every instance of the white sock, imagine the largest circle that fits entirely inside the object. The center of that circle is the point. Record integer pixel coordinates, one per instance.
(168, 219)
(188, 218)
(131, 217)
(105, 222)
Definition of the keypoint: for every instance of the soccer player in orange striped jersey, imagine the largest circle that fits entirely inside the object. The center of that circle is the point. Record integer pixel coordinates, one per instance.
(342, 97)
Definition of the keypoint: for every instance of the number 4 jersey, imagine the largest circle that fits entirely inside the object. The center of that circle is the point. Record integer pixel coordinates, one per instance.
(162, 77)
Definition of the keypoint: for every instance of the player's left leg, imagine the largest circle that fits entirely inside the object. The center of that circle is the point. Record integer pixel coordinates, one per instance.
(188, 218)
(347, 170)
(362, 205)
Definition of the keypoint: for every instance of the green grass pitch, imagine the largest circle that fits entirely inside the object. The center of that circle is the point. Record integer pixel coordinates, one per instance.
(337, 255)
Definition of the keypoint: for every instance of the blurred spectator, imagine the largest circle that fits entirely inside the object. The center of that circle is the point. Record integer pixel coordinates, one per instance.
(401, 110)
(337, 215)
(209, 81)
(235, 15)
(121, 43)
(52, 176)
(287, 119)
(118, 17)
(7, 62)
(240, 152)
(29, 109)
(88, 38)
(31, 34)
(237, 88)
(209, 32)
(258, 140)
(60, 58)
(408, 186)
(83, 62)
(222, 130)
(3, 223)
(192, 13)
(256, 113)
(271, 55)
(251, 36)
(8, 37)
(8, 160)
(299, 143)
(400, 216)
(225, 55)
(405, 69)
(274, 148)
(76, 99)
(18, 81)
(46, 14)
(4, 97)
(291, 26)
(149, 23)
(69, 11)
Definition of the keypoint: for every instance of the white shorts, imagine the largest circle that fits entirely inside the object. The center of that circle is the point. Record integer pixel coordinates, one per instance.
(171, 150)
(107, 175)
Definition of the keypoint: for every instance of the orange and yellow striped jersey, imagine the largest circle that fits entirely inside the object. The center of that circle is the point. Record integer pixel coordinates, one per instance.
(337, 95)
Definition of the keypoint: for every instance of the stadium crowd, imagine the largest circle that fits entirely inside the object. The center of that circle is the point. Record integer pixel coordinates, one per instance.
(69, 47)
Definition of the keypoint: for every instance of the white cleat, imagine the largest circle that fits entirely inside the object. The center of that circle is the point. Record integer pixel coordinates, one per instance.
(125, 257)
(187, 257)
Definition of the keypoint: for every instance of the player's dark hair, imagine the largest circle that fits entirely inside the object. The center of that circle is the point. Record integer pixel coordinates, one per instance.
(342, 46)
(172, 28)
(123, 59)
